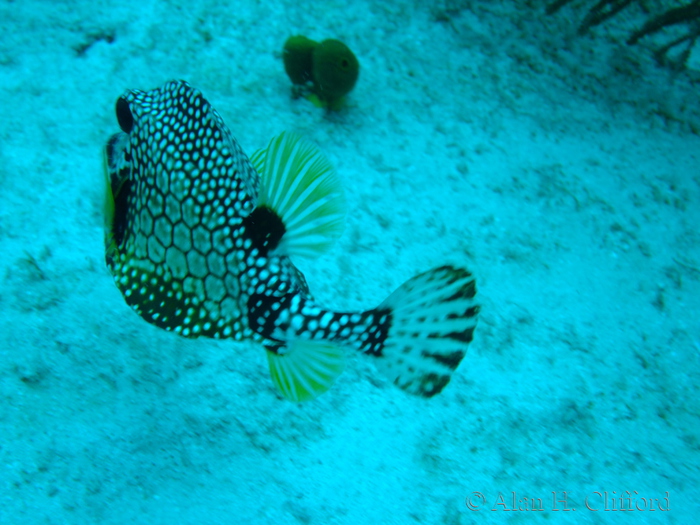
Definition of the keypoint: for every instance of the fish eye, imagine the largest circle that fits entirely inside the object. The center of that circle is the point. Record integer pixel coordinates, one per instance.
(124, 116)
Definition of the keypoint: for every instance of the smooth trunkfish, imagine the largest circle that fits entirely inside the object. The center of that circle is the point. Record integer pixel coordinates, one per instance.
(199, 239)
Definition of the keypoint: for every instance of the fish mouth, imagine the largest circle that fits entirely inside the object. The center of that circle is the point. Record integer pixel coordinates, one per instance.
(117, 171)
(114, 150)
(117, 163)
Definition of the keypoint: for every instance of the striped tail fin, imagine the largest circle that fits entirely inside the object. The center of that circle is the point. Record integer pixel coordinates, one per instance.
(432, 321)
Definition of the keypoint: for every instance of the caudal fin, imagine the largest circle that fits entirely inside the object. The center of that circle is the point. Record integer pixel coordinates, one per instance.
(432, 318)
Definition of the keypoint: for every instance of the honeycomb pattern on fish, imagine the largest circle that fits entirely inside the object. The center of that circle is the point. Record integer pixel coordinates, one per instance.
(193, 249)
(183, 259)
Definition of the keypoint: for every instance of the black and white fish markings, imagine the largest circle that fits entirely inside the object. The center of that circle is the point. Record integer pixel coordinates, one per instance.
(199, 239)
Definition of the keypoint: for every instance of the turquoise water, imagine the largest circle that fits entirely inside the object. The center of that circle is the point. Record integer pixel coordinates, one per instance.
(562, 169)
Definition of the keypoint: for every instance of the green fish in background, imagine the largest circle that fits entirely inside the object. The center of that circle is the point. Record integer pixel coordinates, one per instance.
(199, 239)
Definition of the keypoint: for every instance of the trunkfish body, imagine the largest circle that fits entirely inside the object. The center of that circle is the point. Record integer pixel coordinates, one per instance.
(200, 239)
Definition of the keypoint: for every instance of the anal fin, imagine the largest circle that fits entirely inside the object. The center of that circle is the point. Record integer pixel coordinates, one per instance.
(303, 370)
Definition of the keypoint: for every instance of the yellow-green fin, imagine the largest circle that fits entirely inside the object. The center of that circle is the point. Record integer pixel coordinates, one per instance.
(301, 186)
(306, 370)
(115, 181)
(108, 207)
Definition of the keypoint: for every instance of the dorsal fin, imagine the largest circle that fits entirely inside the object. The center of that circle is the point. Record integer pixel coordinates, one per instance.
(300, 185)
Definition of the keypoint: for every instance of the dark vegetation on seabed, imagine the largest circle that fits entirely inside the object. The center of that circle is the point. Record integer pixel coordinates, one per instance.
(687, 15)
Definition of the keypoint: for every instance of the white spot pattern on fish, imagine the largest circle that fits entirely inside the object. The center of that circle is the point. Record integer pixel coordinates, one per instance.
(197, 244)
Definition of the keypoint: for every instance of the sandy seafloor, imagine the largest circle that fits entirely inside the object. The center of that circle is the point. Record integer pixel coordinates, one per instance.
(563, 170)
